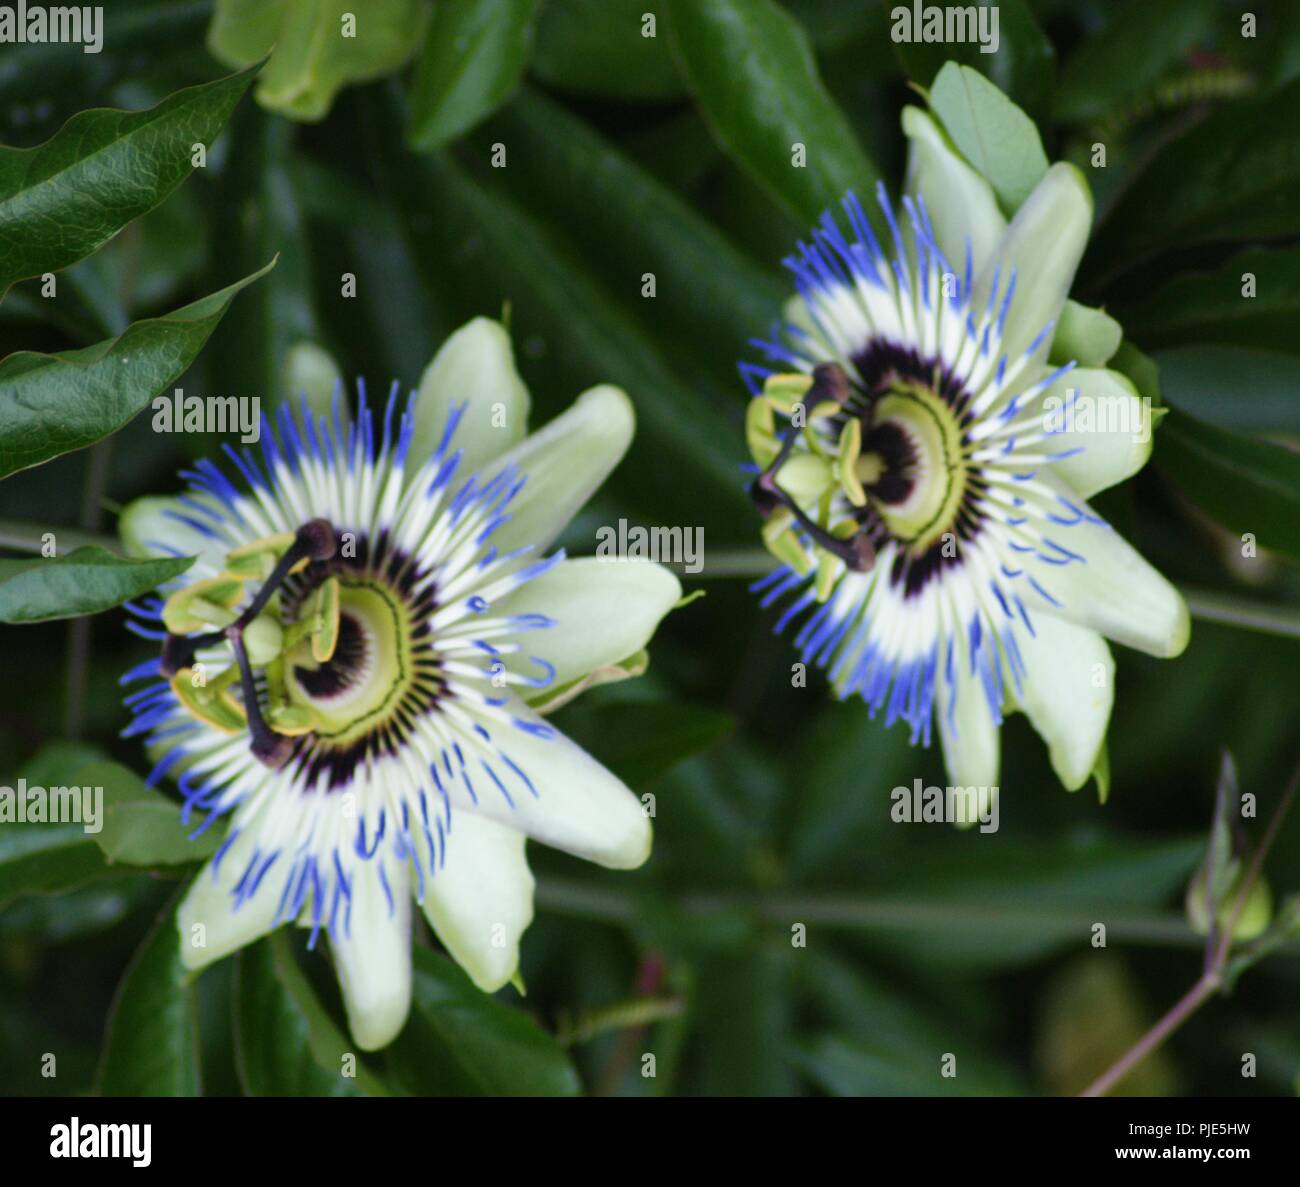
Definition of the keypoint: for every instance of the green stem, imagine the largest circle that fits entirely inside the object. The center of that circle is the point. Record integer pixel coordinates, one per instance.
(859, 912)
(1249, 616)
(18, 536)
(1206, 605)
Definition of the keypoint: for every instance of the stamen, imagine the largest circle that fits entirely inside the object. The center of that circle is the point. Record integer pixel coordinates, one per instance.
(315, 540)
(268, 747)
(829, 383)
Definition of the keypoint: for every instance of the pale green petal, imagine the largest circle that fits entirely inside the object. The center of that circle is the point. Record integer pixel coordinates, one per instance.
(372, 954)
(475, 366)
(311, 374)
(565, 462)
(1108, 420)
(1116, 592)
(969, 734)
(604, 611)
(959, 201)
(1067, 691)
(480, 900)
(1044, 245)
(1084, 335)
(150, 527)
(576, 804)
(210, 924)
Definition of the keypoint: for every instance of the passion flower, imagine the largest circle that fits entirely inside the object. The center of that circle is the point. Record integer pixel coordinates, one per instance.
(350, 672)
(923, 470)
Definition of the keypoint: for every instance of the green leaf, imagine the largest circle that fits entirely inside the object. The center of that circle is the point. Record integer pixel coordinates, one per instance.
(598, 47)
(141, 826)
(474, 56)
(1233, 176)
(38, 857)
(460, 1041)
(708, 294)
(752, 72)
(1142, 39)
(640, 740)
(991, 132)
(65, 199)
(1209, 307)
(285, 1042)
(743, 1018)
(1023, 66)
(54, 403)
(512, 257)
(887, 1041)
(258, 216)
(999, 902)
(1208, 381)
(151, 1045)
(320, 46)
(1248, 485)
(85, 581)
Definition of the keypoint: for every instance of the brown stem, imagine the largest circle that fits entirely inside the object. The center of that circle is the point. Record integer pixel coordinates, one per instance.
(1211, 980)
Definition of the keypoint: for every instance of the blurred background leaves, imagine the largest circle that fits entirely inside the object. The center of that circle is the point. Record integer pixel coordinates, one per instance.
(540, 161)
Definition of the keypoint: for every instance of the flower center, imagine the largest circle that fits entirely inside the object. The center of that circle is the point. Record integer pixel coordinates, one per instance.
(858, 466)
(369, 672)
(326, 663)
(910, 464)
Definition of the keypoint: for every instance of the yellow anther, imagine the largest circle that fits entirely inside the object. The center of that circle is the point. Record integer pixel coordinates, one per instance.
(324, 605)
(212, 703)
(782, 542)
(203, 604)
(847, 465)
(760, 431)
(293, 720)
(786, 390)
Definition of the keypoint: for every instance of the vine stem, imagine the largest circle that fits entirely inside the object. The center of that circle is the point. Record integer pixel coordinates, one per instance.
(1205, 605)
(1211, 980)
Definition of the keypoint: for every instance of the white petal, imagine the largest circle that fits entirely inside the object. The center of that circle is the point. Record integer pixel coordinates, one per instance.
(574, 803)
(372, 953)
(1116, 592)
(1067, 692)
(1044, 245)
(604, 610)
(959, 201)
(565, 463)
(1108, 420)
(153, 526)
(210, 924)
(480, 901)
(475, 365)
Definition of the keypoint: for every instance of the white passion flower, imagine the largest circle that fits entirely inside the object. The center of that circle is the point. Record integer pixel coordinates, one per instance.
(923, 470)
(351, 672)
